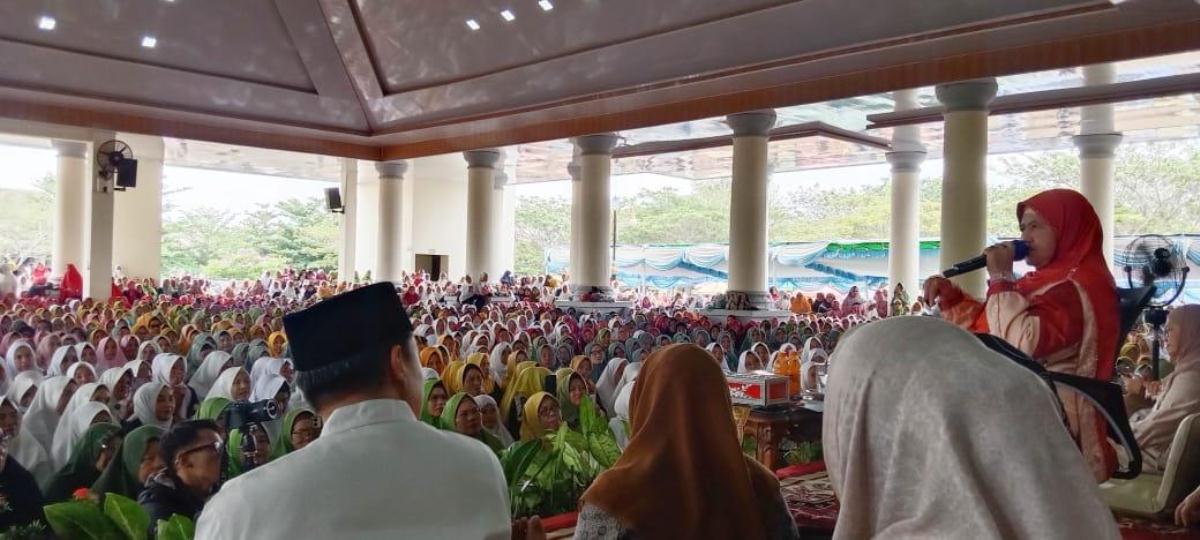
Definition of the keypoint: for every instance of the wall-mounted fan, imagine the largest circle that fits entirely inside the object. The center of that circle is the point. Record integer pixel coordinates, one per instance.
(116, 158)
(1153, 260)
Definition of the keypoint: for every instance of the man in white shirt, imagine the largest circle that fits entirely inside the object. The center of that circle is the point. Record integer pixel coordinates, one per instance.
(376, 471)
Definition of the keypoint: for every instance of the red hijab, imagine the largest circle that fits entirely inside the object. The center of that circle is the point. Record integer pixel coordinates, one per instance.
(1078, 256)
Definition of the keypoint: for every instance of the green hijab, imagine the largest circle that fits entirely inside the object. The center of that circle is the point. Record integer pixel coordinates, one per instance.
(451, 411)
(81, 471)
(570, 411)
(121, 475)
(233, 447)
(194, 357)
(239, 353)
(283, 445)
(211, 408)
(427, 416)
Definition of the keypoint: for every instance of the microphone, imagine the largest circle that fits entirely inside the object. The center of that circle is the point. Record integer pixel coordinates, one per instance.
(1020, 251)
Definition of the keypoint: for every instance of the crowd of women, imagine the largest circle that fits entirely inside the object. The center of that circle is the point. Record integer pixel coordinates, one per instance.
(87, 389)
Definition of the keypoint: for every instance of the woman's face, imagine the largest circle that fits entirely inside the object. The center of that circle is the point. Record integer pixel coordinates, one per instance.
(1174, 334)
(718, 353)
(24, 359)
(123, 331)
(762, 351)
(110, 349)
(490, 415)
(121, 389)
(65, 397)
(147, 354)
(155, 325)
(151, 462)
(546, 357)
(473, 382)
(585, 367)
(305, 430)
(10, 422)
(549, 415)
(576, 390)
(142, 332)
(224, 342)
(27, 399)
(287, 372)
(88, 355)
(437, 401)
(130, 348)
(522, 357)
(1038, 234)
(164, 405)
(176, 375)
(467, 420)
(84, 376)
(596, 357)
(241, 387)
(143, 372)
(753, 362)
(101, 395)
(69, 339)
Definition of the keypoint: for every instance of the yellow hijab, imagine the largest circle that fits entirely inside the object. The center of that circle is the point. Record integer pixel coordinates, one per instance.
(275, 343)
(452, 376)
(531, 425)
(481, 360)
(528, 382)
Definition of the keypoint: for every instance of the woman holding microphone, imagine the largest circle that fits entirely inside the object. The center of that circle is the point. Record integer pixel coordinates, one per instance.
(1064, 314)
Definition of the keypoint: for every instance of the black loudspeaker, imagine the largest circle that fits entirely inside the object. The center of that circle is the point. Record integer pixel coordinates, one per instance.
(333, 200)
(126, 171)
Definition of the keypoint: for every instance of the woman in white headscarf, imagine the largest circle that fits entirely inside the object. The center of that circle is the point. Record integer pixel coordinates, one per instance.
(749, 361)
(148, 350)
(497, 363)
(606, 385)
(214, 364)
(61, 360)
(912, 435)
(81, 373)
(20, 357)
(51, 399)
(23, 389)
(1180, 395)
(21, 445)
(170, 369)
(273, 387)
(233, 384)
(490, 411)
(429, 374)
(119, 382)
(72, 426)
(153, 405)
(620, 420)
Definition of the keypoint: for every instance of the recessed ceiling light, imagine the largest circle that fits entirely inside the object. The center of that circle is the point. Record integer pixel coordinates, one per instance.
(508, 15)
(149, 42)
(546, 5)
(47, 23)
(472, 24)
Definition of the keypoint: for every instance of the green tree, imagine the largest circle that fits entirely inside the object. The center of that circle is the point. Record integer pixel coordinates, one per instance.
(27, 220)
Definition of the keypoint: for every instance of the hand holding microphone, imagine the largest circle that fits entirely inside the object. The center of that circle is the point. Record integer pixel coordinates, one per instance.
(998, 259)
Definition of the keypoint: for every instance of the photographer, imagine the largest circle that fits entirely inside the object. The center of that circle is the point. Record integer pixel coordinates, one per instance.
(192, 452)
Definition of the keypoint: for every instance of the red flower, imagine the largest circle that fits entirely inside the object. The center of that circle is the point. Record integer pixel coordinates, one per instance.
(81, 494)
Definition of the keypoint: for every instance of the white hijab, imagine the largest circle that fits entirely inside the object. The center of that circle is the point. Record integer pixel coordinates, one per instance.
(27, 451)
(202, 381)
(606, 385)
(143, 405)
(266, 388)
(497, 362)
(10, 359)
(78, 366)
(1180, 396)
(266, 367)
(42, 418)
(57, 359)
(742, 366)
(501, 432)
(913, 436)
(148, 344)
(223, 387)
(429, 374)
(71, 428)
(20, 385)
(110, 378)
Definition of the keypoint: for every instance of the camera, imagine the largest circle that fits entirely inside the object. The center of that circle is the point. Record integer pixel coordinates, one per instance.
(239, 415)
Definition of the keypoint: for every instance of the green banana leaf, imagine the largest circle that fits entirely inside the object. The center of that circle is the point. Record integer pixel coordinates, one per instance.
(81, 520)
(176, 528)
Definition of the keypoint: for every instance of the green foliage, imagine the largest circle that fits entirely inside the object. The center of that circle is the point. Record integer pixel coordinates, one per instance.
(82, 520)
(805, 452)
(27, 222)
(218, 244)
(127, 516)
(176, 528)
(597, 435)
(548, 475)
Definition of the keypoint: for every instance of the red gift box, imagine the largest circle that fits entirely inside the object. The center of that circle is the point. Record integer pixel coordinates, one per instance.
(758, 389)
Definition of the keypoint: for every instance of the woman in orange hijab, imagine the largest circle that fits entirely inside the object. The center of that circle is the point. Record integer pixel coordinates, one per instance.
(702, 484)
(1064, 314)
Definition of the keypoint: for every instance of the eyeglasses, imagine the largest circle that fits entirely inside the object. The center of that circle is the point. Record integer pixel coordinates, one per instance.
(217, 446)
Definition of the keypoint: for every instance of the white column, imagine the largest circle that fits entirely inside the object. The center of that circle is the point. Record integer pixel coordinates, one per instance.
(574, 170)
(904, 248)
(390, 232)
(748, 205)
(481, 212)
(964, 176)
(504, 226)
(71, 187)
(137, 214)
(594, 217)
(97, 276)
(1097, 142)
(348, 222)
